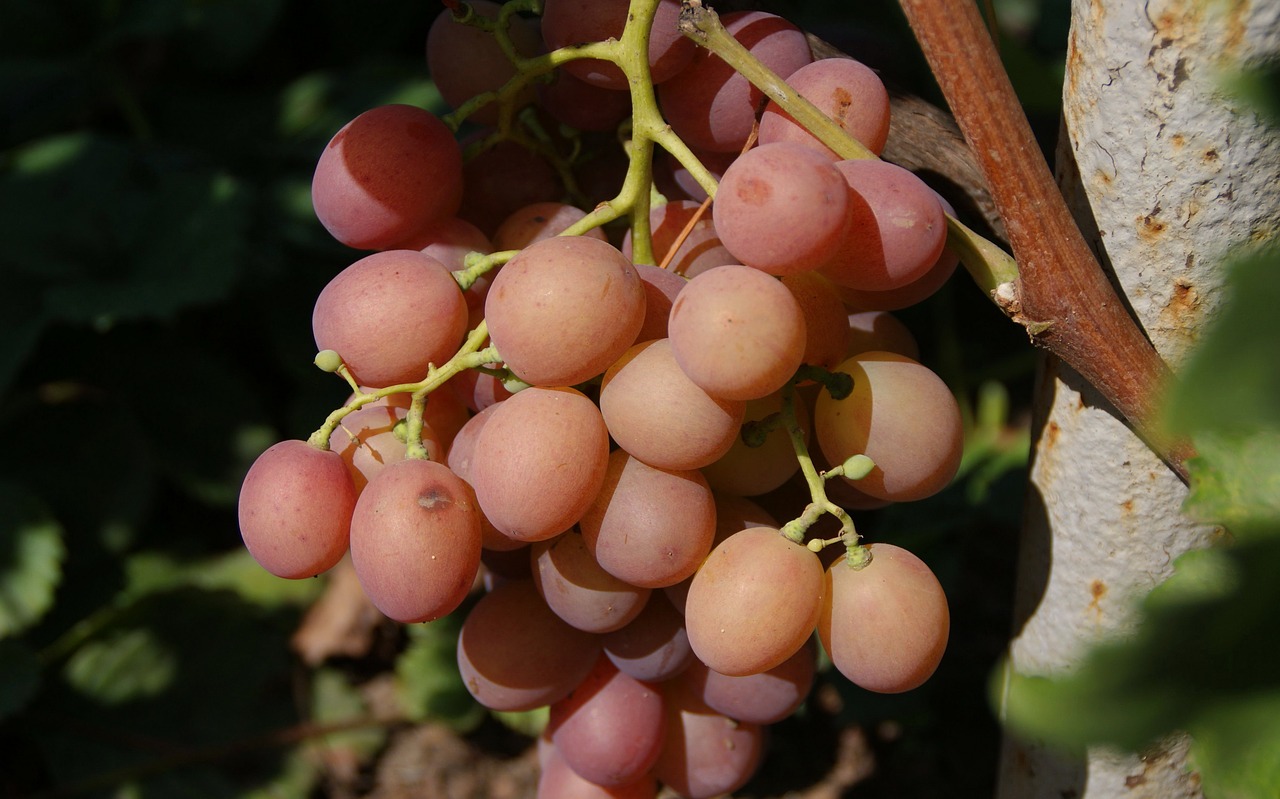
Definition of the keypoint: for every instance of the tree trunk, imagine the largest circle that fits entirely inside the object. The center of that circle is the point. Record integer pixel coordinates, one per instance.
(1164, 177)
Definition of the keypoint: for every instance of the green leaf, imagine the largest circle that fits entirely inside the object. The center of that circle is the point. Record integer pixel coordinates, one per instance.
(335, 701)
(1236, 747)
(123, 666)
(19, 676)
(236, 571)
(1206, 646)
(1236, 482)
(430, 687)
(31, 556)
(1230, 385)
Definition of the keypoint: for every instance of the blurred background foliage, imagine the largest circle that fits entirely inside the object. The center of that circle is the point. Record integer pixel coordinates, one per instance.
(160, 260)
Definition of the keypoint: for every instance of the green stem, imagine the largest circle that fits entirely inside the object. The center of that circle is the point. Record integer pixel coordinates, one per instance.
(468, 356)
(989, 266)
(819, 504)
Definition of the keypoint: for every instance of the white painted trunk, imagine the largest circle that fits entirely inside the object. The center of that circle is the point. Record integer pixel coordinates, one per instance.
(1165, 177)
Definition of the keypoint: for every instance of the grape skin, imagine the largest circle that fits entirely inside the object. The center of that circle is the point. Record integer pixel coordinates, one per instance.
(847, 91)
(660, 416)
(465, 61)
(884, 626)
(610, 728)
(515, 654)
(650, 527)
(387, 174)
(539, 462)
(390, 315)
(737, 333)
(295, 509)
(564, 309)
(753, 602)
(902, 416)
(578, 590)
(415, 540)
(782, 208)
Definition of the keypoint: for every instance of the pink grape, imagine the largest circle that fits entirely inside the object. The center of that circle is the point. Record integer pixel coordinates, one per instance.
(880, 330)
(581, 105)
(465, 61)
(564, 309)
(654, 646)
(610, 728)
(557, 780)
(539, 221)
(459, 460)
(782, 208)
(661, 286)
(737, 333)
(749, 470)
(706, 753)
(886, 625)
(847, 91)
(896, 230)
(387, 174)
(389, 315)
(660, 416)
(415, 540)
(540, 462)
(763, 698)
(515, 654)
(901, 416)
(502, 179)
(579, 590)
(650, 527)
(295, 509)
(367, 441)
(826, 327)
(753, 602)
(570, 22)
(712, 107)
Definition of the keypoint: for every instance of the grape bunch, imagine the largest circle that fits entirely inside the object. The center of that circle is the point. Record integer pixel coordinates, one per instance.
(589, 413)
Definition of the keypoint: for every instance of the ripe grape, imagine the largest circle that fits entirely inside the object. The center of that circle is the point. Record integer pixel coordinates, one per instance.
(465, 61)
(896, 230)
(782, 208)
(654, 646)
(847, 91)
(570, 22)
(415, 540)
(826, 327)
(610, 728)
(449, 241)
(539, 221)
(564, 309)
(459, 460)
(763, 698)
(650, 527)
(712, 107)
(389, 315)
(660, 416)
(367, 441)
(753, 602)
(579, 591)
(387, 174)
(557, 780)
(706, 753)
(737, 332)
(661, 286)
(583, 106)
(501, 179)
(900, 415)
(515, 654)
(886, 625)
(295, 509)
(880, 330)
(539, 462)
(748, 469)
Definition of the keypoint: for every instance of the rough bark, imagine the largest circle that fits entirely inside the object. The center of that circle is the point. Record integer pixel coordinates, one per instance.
(1164, 176)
